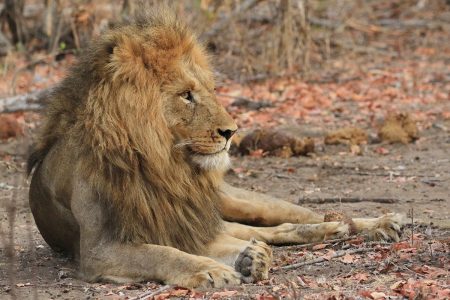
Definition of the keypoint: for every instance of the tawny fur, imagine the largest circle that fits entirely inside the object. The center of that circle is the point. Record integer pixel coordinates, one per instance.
(109, 109)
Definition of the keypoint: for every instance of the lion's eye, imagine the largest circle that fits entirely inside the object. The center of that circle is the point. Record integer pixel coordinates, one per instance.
(188, 96)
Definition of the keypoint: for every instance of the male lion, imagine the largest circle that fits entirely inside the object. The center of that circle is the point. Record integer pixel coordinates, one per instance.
(128, 170)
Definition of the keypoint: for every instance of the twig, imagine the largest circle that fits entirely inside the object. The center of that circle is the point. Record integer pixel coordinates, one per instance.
(392, 23)
(394, 174)
(412, 226)
(151, 294)
(347, 200)
(31, 101)
(411, 23)
(321, 259)
(322, 242)
(220, 25)
(236, 97)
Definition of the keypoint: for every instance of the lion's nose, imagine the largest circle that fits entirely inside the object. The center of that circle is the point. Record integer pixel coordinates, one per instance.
(227, 133)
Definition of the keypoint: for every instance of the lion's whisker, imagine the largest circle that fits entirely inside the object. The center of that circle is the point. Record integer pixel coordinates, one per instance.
(183, 143)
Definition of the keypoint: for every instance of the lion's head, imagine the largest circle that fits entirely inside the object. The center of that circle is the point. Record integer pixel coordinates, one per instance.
(160, 74)
(147, 132)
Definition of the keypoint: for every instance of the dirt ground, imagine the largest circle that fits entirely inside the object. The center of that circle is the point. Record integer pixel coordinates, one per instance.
(410, 177)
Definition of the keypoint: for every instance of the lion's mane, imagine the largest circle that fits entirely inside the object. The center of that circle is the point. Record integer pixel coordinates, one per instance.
(109, 110)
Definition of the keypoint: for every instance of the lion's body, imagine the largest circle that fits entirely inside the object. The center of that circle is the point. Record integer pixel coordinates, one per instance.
(122, 162)
(127, 169)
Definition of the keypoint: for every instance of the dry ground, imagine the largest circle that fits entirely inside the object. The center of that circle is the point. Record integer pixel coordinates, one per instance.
(414, 176)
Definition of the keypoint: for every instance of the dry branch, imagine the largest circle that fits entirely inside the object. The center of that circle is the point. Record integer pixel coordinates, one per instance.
(388, 23)
(223, 23)
(152, 294)
(333, 241)
(322, 259)
(347, 200)
(27, 102)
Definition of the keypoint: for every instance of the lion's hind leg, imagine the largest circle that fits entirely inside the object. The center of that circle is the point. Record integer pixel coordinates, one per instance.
(249, 207)
(288, 233)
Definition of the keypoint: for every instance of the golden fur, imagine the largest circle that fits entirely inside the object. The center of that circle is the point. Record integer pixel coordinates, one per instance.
(127, 169)
(123, 144)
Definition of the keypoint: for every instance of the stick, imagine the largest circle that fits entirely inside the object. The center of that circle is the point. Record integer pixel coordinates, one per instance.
(151, 294)
(321, 259)
(31, 101)
(239, 10)
(412, 227)
(322, 242)
(347, 200)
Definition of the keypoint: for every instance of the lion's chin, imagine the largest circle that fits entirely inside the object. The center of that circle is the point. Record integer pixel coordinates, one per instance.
(213, 162)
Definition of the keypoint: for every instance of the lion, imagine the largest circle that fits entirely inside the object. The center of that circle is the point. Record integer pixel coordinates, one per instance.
(127, 172)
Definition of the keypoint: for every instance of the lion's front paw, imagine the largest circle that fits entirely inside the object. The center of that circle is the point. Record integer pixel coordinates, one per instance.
(214, 275)
(254, 262)
(386, 228)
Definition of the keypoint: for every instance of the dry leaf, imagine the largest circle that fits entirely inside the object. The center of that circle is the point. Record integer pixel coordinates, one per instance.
(224, 294)
(329, 255)
(377, 295)
(347, 258)
(319, 246)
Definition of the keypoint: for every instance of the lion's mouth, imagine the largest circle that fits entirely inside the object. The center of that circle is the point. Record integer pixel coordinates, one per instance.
(219, 160)
(196, 151)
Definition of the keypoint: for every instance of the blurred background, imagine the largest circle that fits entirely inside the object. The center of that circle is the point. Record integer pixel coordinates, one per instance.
(252, 40)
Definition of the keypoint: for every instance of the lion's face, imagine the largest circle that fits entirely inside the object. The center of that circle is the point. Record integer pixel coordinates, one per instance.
(197, 121)
(161, 75)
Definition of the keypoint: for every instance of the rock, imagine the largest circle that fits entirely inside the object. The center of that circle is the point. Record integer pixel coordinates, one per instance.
(347, 136)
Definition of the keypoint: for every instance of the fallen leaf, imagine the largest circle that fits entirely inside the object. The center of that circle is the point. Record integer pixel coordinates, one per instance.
(319, 246)
(347, 258)
(360, 277)
(430, 272)
(264, 297)
(365, 294)
(400, 246)
(179, 292)
(397, 285)
(377, 295)
(223, 294)
(330, 253)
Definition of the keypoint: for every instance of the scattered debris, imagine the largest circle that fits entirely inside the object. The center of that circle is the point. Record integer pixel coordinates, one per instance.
(347, 136)
(251, 105)
(275, 143)
(399, 128)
